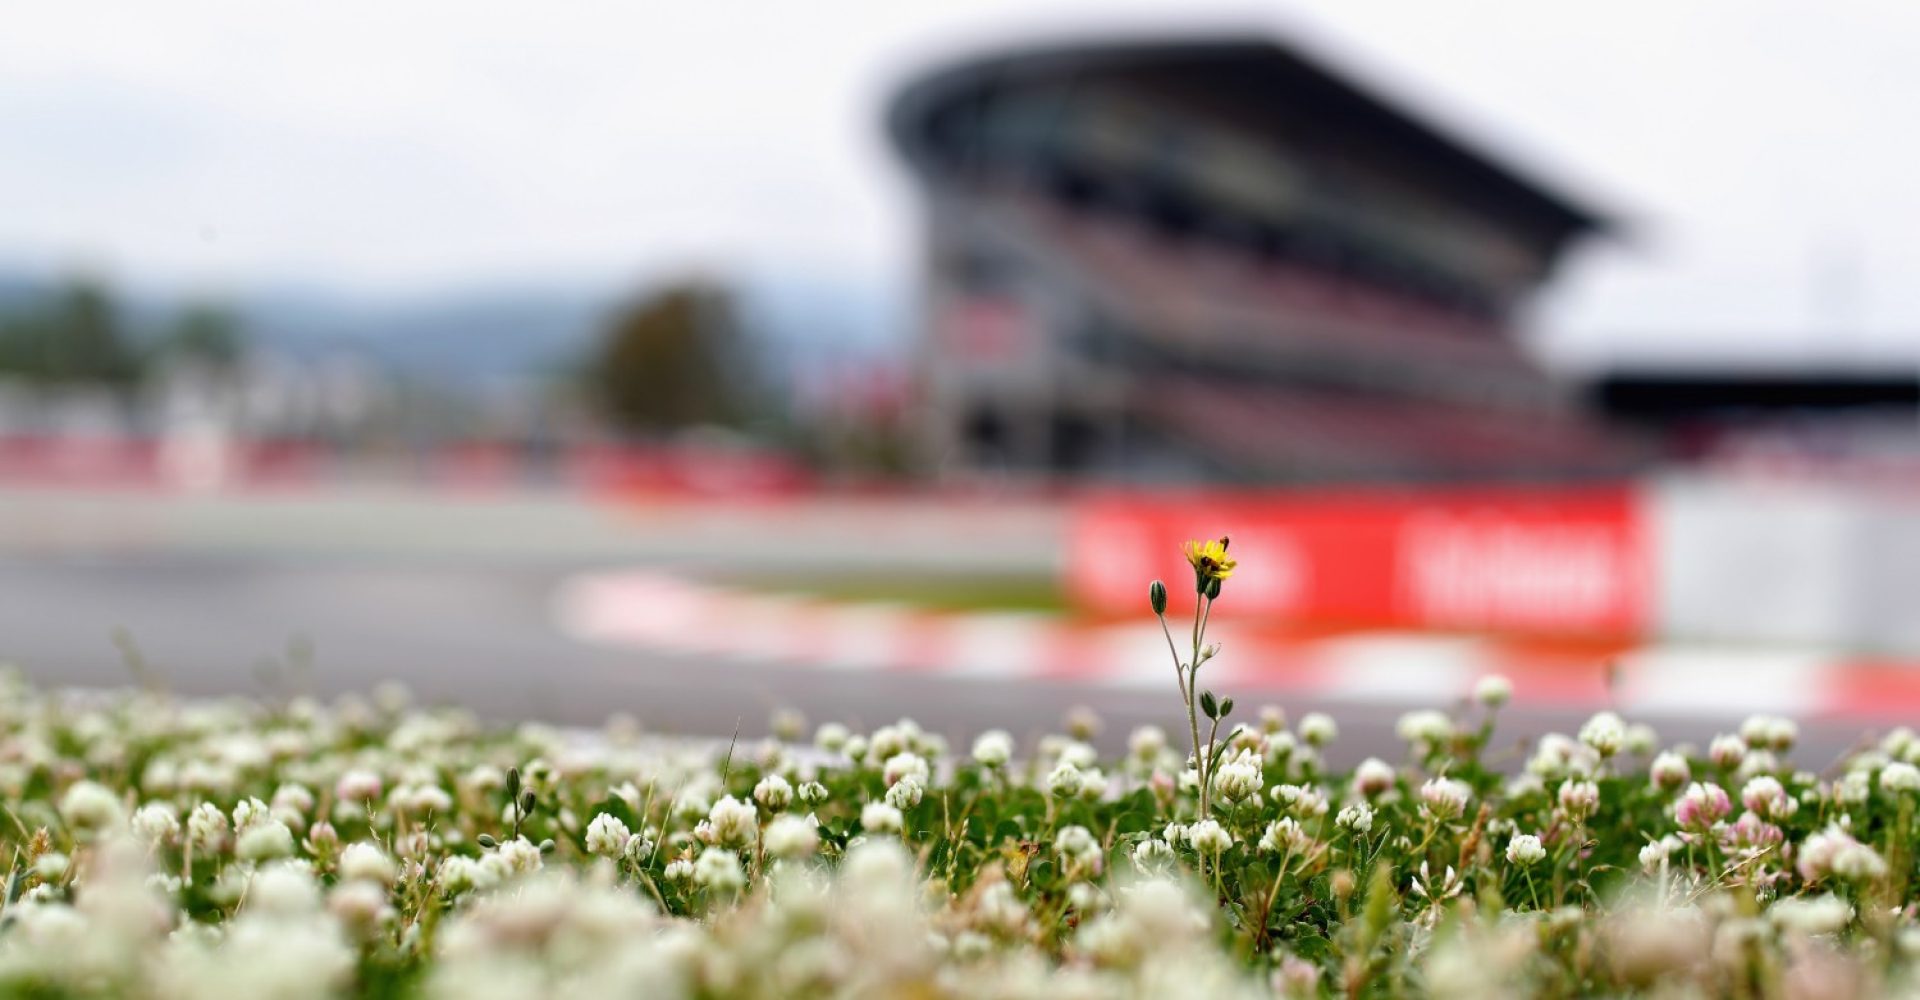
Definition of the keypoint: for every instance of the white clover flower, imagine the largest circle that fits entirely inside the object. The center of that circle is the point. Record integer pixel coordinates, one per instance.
(515, 857)
(1318, 729)
(1424, 728)
(207, 826)
(1493, 691)
(1858, 862)
(1304, 801)
(993, 748)
(1373, 777)
(1078, 754)
(1701, 806)
(1236, 780)
(1726, 751)
(793, 836)
(1146, 743)
(322, 838)
(1579, 799)
(1285, 836)
(283, 890)
(366, 862)
(719, 869)
(1077, 844)
(904, 794)
(970, 946)
(678, 870)
(293, 797)
(1767, 798)
(1445, 798)
(263, 840)
(999, 909)
(1093, 784)
(1642, 739)
(905, 765)
(1065, 781)
(607, 836)
(692, 803)
(831, 737)
(357, 785)
(483, 778)
(1823, 914)
(1899, 777)
(1209, 837)
(248, 812)
(732, 823)
(1357, 817)
(1669, 771)
(160, 776)
(1757, 762)
(420, 800)
(50, 866)
(1556, 756)
(457, 875)
(89, 809)
(156, 823)
(888, 741)
(880, 818)
(1605, 733)
(813, 793)
(1153, 855)
(1525, 850)
(774, 792)
(1655, 854)
(1854, 787)
(1868, 760)
(360, 906)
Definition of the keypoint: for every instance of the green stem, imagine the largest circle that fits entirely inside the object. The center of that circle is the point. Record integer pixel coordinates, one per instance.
(1179, 668)
(1193, 726)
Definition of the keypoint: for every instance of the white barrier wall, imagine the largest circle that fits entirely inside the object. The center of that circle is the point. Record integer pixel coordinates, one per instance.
(1820, 564)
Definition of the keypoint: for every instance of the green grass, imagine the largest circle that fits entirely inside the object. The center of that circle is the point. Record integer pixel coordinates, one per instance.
(935, 592)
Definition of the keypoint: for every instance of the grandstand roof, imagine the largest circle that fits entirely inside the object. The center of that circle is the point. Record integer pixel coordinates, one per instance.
(1241, 78)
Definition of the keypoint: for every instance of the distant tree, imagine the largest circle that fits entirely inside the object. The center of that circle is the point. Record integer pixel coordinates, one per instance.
(88, 344)
(671, 361)
(76, 338)
(206, 335)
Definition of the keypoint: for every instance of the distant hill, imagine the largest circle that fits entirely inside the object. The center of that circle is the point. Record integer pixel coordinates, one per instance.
(473, 338)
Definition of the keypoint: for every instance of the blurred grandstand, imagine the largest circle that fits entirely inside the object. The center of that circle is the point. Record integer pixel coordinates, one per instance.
(1220, 259)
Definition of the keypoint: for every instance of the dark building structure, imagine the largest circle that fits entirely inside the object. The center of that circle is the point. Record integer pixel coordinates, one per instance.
(1218, 259)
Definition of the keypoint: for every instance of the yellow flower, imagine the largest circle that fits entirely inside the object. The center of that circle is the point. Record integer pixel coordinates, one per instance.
(1210, 560)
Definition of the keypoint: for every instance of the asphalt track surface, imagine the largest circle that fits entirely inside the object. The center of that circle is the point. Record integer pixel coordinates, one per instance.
(456, 603)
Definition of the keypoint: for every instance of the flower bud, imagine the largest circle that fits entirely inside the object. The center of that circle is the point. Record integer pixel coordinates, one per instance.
(1157, 596)
(322, 838)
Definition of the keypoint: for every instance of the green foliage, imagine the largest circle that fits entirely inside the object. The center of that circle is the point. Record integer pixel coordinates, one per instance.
(675, 360)
(207, 335)
(76, 338)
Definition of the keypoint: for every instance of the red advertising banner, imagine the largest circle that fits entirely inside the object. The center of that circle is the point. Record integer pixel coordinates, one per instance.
(1567, 561)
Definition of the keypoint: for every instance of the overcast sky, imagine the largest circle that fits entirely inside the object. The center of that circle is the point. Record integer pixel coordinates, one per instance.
(1760, 153)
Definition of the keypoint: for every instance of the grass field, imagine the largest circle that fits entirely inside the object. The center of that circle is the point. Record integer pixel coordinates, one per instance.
(939, 592)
